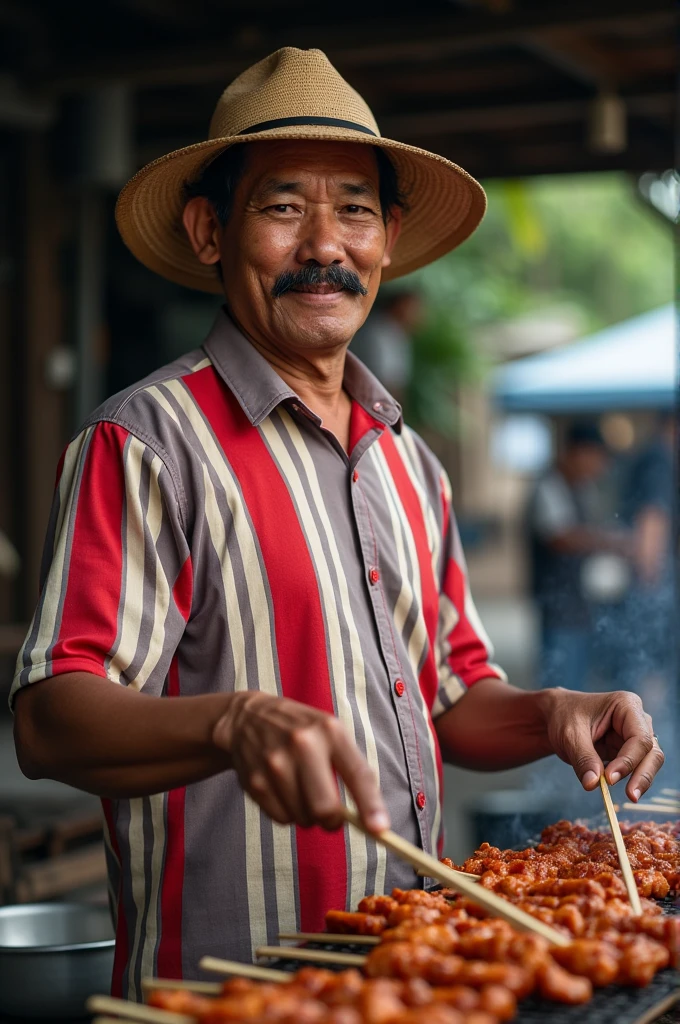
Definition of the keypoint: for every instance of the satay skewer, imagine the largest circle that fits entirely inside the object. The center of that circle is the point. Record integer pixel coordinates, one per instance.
(233, 969)
(666, 800)
(316, 956)
(199, 988)
(671, 792)
(494, 904)
(468, 874)
(135, 1011)
(671, 810)
(330, 937)
(626, 870)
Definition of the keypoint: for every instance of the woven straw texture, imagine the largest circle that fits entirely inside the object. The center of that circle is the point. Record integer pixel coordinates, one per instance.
(445, 203)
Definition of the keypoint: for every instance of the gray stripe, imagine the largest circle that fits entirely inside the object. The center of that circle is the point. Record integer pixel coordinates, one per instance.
(63, 582)
(123, 568)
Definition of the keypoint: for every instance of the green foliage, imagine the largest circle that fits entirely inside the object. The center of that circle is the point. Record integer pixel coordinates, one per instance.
(585, 240)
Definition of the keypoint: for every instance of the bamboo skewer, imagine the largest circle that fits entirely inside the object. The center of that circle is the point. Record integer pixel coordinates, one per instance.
(135, 1011)
(665, 800)
(626, 869)
(467, 874)
(200, 988)
(237, 970)
(316, 956)
(671, 792)
(670, 810)
(496, 905)
(330, 937)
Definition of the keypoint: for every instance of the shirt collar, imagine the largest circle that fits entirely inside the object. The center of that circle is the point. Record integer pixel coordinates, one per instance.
(259, 389)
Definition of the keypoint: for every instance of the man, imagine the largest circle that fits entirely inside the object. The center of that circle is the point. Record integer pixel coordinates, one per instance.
(562, 538)
(252, 535)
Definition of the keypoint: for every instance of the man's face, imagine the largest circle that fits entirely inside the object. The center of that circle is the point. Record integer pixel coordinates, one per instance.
(589, 461)
(300, 205)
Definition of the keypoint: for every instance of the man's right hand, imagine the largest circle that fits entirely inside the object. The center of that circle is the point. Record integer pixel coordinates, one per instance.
(286, 755)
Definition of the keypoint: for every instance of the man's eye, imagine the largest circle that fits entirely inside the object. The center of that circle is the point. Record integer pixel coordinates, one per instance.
(353, 208)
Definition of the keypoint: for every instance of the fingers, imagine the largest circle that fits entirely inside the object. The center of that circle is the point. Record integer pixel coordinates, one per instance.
(643, 775)
(635, 729)
(581, 754)
(359, 779)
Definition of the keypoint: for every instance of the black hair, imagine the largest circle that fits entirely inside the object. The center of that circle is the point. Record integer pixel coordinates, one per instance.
(584, 433)
(217, 182)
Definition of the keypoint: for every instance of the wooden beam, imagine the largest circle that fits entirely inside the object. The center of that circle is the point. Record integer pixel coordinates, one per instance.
(510, 117)
(381, 42)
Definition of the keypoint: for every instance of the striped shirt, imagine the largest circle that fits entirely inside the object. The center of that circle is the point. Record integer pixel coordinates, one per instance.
(207, 536)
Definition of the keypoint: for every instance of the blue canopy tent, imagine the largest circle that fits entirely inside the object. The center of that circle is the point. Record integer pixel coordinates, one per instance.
(632, 365)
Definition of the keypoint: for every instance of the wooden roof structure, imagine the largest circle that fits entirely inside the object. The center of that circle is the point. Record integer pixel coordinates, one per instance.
(503, 87)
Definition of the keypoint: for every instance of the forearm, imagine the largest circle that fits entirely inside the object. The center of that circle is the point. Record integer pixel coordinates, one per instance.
(495, 726)
(113, 741)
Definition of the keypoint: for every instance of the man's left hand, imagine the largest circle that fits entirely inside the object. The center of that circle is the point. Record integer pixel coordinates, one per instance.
(586, 729)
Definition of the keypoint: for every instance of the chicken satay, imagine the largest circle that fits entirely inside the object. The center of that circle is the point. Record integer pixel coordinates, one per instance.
(339, 988)
(570, 917)
(558, 985)
(477, 973)
(399, 960)
(382, 906)
(353, 923)
(411, 912)
(596, 961)
(641, 958)
(342, 1015)
(651, 883)
(420, 897)
(442, 937)
(416, 992)
(460, 997)
(379, 1001)
(433, 1014)
(498, 1000)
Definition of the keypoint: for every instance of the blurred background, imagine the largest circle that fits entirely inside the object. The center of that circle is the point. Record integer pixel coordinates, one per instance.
(538, 361)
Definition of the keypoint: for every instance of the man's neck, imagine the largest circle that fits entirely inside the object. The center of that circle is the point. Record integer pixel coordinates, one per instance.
(316, 377)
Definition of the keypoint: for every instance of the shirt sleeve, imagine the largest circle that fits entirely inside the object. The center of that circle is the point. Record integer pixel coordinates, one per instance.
(465, 654)
(116, 580)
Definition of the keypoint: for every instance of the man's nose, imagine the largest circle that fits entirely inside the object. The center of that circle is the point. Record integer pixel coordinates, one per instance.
(321, 239)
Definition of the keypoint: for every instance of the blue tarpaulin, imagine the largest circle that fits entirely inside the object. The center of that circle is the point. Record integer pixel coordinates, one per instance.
(632, 365)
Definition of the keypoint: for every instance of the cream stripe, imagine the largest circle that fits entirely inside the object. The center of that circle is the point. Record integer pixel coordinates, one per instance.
(137, 878)
(264, 641)
(411, 459)
(154, 520)
(419, 639)
(202, 364)
(254, 887)
(157, 802)
(357, 841)
(133, 607)
(355, 641)
(51, 605)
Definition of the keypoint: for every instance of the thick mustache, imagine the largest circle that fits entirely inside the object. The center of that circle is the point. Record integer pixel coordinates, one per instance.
(341, 277)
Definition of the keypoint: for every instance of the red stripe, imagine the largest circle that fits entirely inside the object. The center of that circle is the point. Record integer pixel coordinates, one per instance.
(182, 592)
(88, 628)
(446, 509)
(121, 953)
(298, 617)
(360, 423)
(469, 656)
(169, 960)
(430, 596)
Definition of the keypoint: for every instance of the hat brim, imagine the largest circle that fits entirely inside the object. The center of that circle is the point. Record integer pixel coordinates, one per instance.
(445, 204)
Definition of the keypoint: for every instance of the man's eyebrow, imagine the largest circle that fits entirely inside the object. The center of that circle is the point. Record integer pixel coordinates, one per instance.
(274, 187)
(359, 189)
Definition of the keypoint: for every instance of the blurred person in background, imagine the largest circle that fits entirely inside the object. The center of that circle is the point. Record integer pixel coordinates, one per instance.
(647, 633)
(563, 539)
(384, 343)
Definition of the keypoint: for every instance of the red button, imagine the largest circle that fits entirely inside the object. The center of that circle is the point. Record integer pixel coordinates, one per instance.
(355, 476)
(420, 800)
(399, 688)
(374, 575)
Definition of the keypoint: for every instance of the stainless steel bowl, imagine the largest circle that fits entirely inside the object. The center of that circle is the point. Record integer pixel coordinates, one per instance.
(52, 957)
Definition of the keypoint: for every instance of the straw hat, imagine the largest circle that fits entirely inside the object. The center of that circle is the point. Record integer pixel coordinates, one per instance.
(295, 94)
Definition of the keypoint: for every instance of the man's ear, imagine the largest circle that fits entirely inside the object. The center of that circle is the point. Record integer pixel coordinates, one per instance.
(392, 232)
(203, 229)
